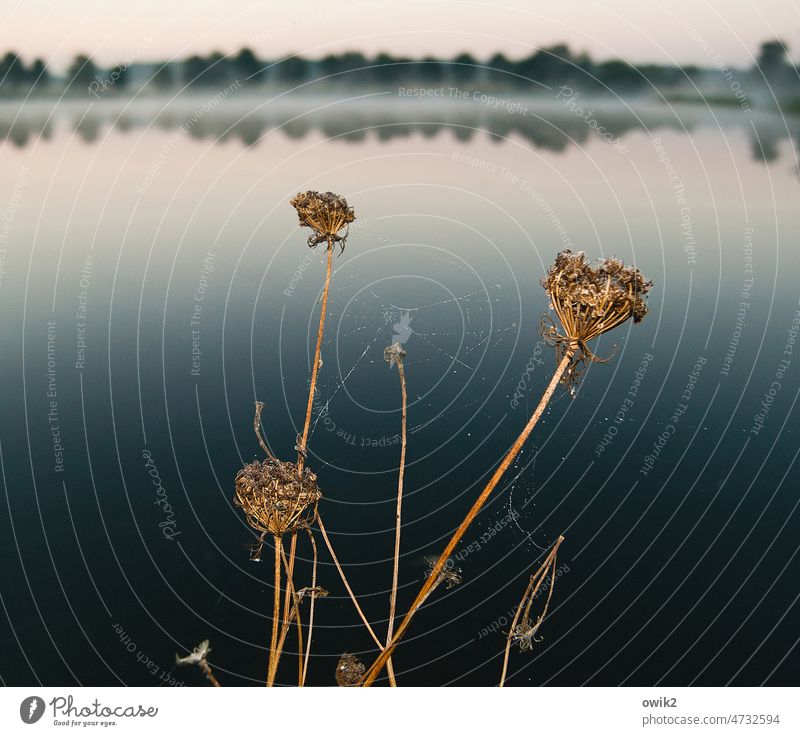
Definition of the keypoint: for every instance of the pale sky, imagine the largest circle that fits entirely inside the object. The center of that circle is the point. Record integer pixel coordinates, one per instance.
(112, 31)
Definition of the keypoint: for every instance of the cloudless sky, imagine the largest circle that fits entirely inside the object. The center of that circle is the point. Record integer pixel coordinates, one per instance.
(638, 30)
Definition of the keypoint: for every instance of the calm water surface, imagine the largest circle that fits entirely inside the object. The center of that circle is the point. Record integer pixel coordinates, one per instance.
(154, 284)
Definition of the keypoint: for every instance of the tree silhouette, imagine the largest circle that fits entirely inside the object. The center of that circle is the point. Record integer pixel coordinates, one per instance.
(463, 69)
(12, 72)
(248, 68)
(81, 72)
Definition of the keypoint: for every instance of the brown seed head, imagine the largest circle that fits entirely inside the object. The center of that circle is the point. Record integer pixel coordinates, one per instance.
(590, 300)
(349, 670)
(394, 354)
(326, 214)
(274, 499)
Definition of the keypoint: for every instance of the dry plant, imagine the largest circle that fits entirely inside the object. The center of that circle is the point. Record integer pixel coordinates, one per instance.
(523, 632)
(588, 301)
(281, 498)
(277, 498)
(326, 214)
(394, 355)
(349, 670)
(198, 656)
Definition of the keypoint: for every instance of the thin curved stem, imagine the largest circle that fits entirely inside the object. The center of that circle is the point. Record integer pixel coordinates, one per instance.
(310, 605)
(346, 584)
(257, 430)
(288, 615)
(301, 449)
(432, 579)
(276, 609)
(206, 669)
(529, 595)
(398, 516)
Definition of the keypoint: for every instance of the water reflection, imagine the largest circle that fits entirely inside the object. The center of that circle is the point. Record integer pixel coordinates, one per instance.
(548, 126)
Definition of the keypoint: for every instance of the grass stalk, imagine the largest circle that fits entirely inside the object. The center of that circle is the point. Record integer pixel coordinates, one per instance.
(383, 657)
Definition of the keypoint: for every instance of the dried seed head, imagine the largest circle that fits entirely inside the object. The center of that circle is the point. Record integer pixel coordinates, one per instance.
(394, 354)
(524, 634)
(349, 670)
(450, 575)
(589, 300)
(198, 655)
(274, 498)
(326, 214)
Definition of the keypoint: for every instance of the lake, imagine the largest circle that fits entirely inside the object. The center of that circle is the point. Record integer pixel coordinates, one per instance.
(154, 284)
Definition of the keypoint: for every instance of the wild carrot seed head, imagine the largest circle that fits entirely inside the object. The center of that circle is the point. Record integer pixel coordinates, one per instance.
(326, 214)
(274, 498)
(588, 301)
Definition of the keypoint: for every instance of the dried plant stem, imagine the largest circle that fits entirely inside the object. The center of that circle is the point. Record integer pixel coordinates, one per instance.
(206, 670)
(276, 610)
(432, 579)
(288, 615)
(530, 593)
(310, 605)
(289, 592)
(346, 584)
(301, 450)
(395, 572)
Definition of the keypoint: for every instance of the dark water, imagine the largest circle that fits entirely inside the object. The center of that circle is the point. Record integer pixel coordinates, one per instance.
(133, 241)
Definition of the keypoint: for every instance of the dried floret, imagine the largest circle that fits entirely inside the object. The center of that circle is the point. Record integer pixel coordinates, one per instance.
(394, 354)
(349, 670)
(275, 498)
(450, 575)
(326, 214)
(588, 301)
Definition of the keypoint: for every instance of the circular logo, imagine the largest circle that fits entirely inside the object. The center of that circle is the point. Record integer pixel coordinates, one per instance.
(31, 709)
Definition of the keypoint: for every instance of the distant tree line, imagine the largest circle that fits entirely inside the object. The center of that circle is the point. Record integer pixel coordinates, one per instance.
(546, 67)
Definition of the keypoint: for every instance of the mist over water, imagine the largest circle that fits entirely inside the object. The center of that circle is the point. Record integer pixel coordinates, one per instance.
(162, 286)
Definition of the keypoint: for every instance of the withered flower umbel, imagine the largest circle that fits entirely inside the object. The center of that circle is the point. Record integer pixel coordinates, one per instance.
(275, 498)
(588, 301)
(349, 670)
(326, 214)
(394, 354)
